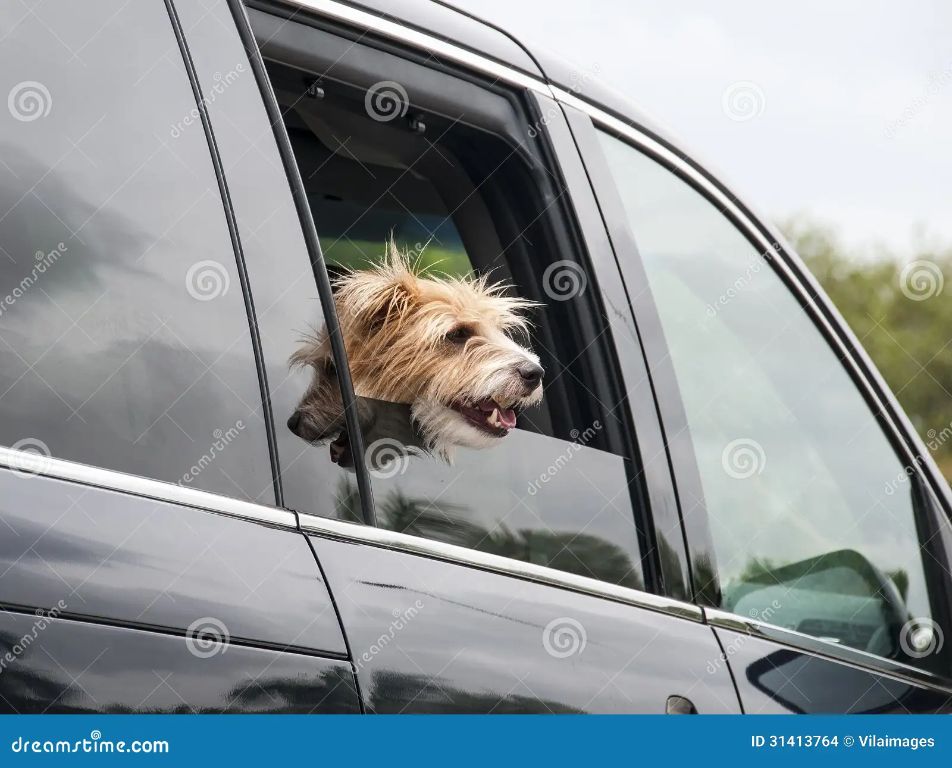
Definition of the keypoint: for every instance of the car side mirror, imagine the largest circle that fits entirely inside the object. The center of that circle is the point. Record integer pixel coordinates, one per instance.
(838, 596)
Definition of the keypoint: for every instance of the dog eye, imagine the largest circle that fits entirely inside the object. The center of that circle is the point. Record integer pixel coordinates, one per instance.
(459, 335)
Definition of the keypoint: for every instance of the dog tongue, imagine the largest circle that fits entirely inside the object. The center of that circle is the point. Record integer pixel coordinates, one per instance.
(507, 417)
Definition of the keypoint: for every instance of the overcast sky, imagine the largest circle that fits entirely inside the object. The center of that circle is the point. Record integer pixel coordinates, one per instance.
(836, 81)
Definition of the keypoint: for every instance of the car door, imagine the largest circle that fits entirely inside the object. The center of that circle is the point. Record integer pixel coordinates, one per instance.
(817, 525)
(526, 577)
(146, 564)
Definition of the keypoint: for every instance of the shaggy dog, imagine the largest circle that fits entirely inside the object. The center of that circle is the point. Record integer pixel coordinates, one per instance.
(444, 347)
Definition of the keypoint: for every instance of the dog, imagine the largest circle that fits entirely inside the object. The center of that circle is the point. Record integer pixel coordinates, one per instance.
(448, 348)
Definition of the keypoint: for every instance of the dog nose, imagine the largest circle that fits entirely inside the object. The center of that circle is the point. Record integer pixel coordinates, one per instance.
(294, 421)
(531, 373)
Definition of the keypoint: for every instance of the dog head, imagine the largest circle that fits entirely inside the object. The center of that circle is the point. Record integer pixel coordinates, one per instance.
(453, 349)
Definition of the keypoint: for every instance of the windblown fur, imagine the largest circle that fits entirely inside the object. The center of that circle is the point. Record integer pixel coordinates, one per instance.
(444, 346)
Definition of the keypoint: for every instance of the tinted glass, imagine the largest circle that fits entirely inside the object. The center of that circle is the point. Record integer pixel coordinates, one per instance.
(811, 511)
(124, 341)
(282, 282)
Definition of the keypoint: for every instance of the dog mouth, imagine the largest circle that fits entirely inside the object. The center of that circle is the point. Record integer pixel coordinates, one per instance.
(488, 416)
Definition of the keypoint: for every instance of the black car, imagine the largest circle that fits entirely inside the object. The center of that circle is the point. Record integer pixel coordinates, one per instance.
(718, 507)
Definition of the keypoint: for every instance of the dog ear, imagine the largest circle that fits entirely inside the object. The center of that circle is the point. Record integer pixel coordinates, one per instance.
(381, 295)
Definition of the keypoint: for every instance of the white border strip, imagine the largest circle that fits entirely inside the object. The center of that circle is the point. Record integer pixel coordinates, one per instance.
(402, 542)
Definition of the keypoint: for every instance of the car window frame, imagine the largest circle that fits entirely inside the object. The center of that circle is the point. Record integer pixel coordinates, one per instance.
(407, 43)
(929, 488)
(315, 254)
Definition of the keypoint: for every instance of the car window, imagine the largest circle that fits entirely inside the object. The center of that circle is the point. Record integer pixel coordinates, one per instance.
(124, 341)
(811, 511)
(459, 316)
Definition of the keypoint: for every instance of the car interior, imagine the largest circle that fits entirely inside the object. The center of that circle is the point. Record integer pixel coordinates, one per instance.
(456, 183)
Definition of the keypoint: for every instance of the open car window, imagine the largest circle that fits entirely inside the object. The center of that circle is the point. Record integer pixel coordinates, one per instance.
(482, 424)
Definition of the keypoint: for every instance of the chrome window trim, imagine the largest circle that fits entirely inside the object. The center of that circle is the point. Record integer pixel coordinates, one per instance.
(421, 40)
(29, 464)
(415, 545)
(816, 646)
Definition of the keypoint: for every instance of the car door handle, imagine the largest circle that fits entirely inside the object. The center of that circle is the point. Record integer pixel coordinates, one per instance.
(679, 705)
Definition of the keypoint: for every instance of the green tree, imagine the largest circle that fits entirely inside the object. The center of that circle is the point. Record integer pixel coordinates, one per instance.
(902, 313)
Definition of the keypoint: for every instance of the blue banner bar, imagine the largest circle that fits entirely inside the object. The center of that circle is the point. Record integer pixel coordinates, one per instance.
(470, 740)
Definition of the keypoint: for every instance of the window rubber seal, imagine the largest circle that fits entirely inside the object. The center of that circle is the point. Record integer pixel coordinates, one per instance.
(232, 224)
(316, 256)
